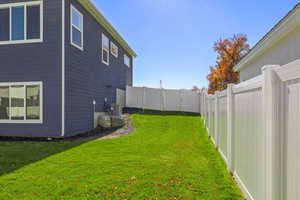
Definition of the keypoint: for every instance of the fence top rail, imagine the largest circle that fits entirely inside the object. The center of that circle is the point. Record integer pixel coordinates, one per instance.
(223, 93)
(290, 71)
(252, 84)
(211, 97)
(165, 89)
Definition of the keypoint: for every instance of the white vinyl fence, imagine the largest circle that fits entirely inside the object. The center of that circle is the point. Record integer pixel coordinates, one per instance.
(163, 99)
(256, 127)
(121, 97)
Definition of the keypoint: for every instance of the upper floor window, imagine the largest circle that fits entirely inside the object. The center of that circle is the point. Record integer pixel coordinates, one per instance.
(76, 28)
(127, 60)
(21, 22)
(21, 102)
(114, 49)
(105, 49)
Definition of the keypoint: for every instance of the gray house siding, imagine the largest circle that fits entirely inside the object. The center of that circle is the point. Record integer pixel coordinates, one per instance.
(283, 52)
(87, 78)
(37, 62)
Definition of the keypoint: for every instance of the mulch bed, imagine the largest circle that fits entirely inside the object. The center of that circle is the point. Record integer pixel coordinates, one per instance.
(96, 134)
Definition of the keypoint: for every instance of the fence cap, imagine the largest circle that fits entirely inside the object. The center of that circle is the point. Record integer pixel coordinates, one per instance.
(269, 67)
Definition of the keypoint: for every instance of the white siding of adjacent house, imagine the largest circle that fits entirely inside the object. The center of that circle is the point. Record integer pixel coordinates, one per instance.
(284, 51)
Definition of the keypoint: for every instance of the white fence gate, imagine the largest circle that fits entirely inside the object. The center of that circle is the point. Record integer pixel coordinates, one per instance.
(256, 127)
(163, 99)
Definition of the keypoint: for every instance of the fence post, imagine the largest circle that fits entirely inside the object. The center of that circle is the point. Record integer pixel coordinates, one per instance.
(273, 109)
(203, 106)
(200, 102)
(217, 140)
(230, 128)
(144, 98)
(206, 107)
(180, 100)
(127, 96)
(162, 99)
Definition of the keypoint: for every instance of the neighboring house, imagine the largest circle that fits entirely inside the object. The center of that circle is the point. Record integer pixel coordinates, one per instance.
(60, 60)
(281, 45)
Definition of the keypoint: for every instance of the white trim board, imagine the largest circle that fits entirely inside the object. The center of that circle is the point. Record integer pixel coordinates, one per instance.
(63, 70)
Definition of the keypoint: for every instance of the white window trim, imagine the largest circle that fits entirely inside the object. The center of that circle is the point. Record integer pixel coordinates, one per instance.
(113, 45)
(78, 28)
(39, 121)
(105, 49)
(25, 4)
(125, 56)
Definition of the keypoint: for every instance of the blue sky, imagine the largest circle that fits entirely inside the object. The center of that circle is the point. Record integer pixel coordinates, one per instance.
(174, 38)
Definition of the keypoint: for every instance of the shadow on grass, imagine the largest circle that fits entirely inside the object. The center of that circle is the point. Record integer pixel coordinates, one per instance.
(157, 112)
(16, 154)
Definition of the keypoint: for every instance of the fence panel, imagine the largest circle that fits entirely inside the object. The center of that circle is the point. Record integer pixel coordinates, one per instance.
(223, 126)
(190, 101)
(249, 142)
(135, 97)
(290, 75)
(173, 100)
(153, 99)
(121, 98)
(162, 99)
(293, 141)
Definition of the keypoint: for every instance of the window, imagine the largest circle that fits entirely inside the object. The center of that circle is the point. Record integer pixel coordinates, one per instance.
(21, 22)
(4, 24)
(21, 102)
(76, 28)
(33, 28)
(127, 60)
(105, 50)
(114, 49)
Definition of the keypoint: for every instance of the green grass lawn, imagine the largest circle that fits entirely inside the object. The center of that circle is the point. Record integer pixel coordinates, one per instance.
(168, 157)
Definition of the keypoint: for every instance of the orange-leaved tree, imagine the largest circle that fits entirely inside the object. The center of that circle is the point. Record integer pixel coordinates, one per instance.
(230, 51)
